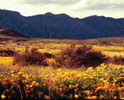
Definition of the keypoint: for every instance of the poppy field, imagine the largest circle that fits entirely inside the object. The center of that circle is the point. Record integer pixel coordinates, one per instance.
(102, 82)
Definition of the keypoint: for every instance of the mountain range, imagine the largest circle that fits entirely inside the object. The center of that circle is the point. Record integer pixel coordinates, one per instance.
(62, 26)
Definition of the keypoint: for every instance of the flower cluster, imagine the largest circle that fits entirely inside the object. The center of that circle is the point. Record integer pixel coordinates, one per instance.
(99, 83)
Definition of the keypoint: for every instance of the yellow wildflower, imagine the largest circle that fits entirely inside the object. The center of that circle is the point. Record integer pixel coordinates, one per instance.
(46, 97)
(76, 96)
(3, 96)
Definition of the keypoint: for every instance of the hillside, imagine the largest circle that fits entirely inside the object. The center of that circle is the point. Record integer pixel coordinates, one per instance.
(62, 26)
(11, 32)
(110, 41)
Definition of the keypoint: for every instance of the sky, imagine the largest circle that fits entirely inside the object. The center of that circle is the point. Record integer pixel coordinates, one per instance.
(74, 8)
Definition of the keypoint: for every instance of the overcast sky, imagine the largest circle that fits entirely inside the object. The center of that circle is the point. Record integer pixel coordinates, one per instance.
(74, 8)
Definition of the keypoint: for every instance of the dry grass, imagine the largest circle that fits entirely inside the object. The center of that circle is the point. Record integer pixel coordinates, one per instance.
(6, 60)
(56, 46)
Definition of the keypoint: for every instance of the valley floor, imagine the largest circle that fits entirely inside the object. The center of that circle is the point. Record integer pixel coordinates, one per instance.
(46, 82)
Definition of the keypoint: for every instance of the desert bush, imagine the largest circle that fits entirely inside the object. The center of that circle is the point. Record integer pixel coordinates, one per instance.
(29, 58)
(77, 56)
(7, 53)
(118, 60)
(48, 55)
(94, 59)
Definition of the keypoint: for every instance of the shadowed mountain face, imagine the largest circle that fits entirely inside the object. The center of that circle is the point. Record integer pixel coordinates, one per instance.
(11, 32)
(62, 26)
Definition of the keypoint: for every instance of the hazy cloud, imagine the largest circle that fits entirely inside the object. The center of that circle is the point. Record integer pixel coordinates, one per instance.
(59, 2)
(103, 5)
(74, 8)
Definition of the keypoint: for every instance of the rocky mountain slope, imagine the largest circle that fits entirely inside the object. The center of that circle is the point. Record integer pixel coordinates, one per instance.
(62, 26)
